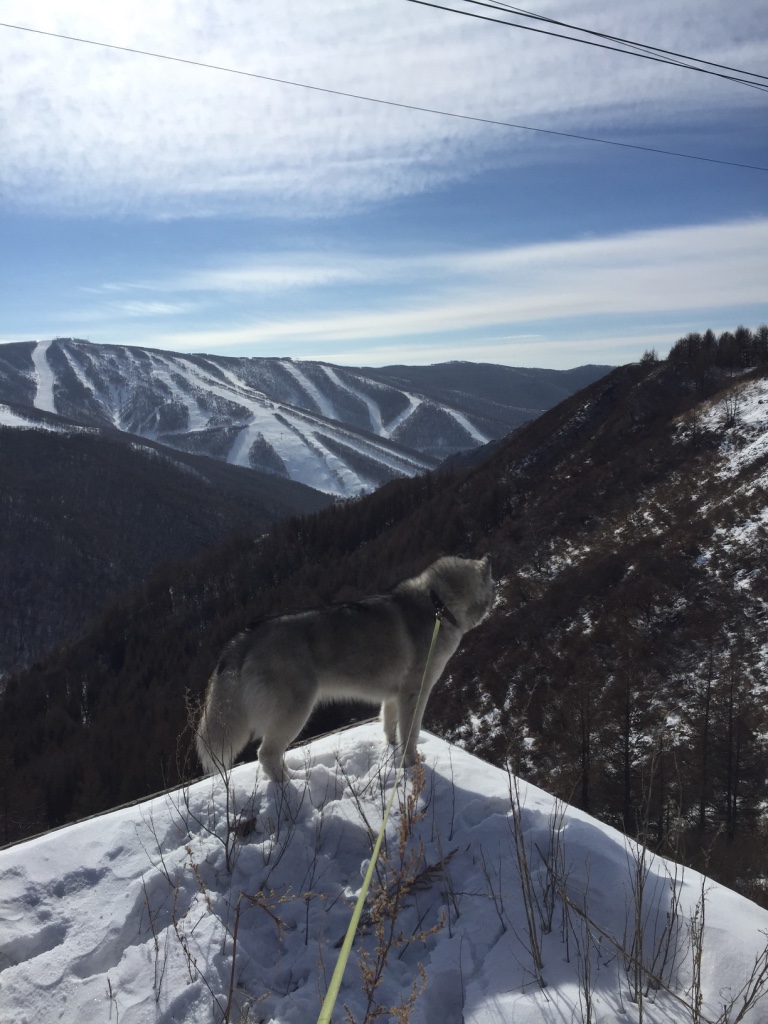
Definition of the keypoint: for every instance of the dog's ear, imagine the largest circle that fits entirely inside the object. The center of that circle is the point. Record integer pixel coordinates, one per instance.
(486, 563)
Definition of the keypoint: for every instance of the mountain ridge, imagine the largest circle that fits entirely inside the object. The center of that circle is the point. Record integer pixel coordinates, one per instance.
(342, 430)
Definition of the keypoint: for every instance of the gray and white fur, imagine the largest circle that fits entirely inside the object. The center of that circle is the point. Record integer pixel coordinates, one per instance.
(270, 677)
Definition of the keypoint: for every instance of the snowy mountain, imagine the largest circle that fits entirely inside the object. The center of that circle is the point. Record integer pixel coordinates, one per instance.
(340, 430)
(493, 903)
(625, 668)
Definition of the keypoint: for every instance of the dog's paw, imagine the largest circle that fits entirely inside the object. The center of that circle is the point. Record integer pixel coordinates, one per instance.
(411, 758)
(276, 772)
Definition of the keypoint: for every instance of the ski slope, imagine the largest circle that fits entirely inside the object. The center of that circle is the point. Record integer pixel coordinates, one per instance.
(44, 399)
(231, 407)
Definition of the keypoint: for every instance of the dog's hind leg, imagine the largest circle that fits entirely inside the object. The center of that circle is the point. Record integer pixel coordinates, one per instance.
(280, 731)
(389, 719)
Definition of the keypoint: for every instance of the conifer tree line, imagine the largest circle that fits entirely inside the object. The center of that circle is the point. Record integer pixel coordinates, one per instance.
(740, 348)
(623, 670)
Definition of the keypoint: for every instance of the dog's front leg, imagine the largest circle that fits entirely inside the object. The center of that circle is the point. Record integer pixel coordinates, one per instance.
(410, 714)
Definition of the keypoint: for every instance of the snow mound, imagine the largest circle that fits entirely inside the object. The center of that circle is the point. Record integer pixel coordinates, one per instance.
(496, 903)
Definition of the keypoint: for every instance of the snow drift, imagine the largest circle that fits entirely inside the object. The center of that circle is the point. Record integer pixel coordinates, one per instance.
(494, 903)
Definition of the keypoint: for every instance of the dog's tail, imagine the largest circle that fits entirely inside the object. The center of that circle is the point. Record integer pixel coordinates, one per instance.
(222, 730)
(203, 743)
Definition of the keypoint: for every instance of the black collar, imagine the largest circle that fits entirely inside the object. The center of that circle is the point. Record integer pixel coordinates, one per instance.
(440, 608)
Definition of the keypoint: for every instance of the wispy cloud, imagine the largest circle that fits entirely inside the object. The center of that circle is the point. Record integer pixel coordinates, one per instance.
(134, 309)
(266, 274)
(506, 290)
(145, 309)
(95, 130)
(676, 266)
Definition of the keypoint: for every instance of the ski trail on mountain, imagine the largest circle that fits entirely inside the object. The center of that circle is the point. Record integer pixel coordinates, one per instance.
(239, 453)
(238, 411)
(325, 406)
(470, 428)
(414, 401)
(291, 431)
(10, 418)
(305, 457)
(44, 399)
(73, 356)
(374, 412)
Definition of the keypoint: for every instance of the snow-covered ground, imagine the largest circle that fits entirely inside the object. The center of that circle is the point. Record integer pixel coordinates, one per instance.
(11, 418)
(741, 417)
(157, 912)
(14, 417)
(749, 408)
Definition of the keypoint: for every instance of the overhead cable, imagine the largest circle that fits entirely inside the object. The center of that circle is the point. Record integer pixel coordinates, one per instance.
(643, 50)
(383, 102)
(616, 39)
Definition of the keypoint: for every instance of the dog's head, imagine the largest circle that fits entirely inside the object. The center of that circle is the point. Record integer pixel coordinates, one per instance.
(465, 587)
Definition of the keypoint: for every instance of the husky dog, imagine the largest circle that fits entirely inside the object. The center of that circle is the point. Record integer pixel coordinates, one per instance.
(271, 676)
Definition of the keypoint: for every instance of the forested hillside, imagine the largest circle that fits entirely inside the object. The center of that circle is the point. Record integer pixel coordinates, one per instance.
(624, 668)
(86, 515)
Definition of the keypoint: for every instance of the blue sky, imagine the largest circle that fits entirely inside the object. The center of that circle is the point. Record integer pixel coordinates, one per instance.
(150, 202)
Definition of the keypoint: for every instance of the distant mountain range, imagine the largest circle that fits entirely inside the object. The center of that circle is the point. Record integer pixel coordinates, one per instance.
(341, 430)
(120, 459)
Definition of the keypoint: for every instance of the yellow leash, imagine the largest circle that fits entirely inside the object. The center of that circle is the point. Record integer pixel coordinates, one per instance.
(333, 989)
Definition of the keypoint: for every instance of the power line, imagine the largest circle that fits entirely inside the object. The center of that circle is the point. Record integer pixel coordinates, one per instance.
(763, 87)
(643, 50)
(382, 102)
(617, 39)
